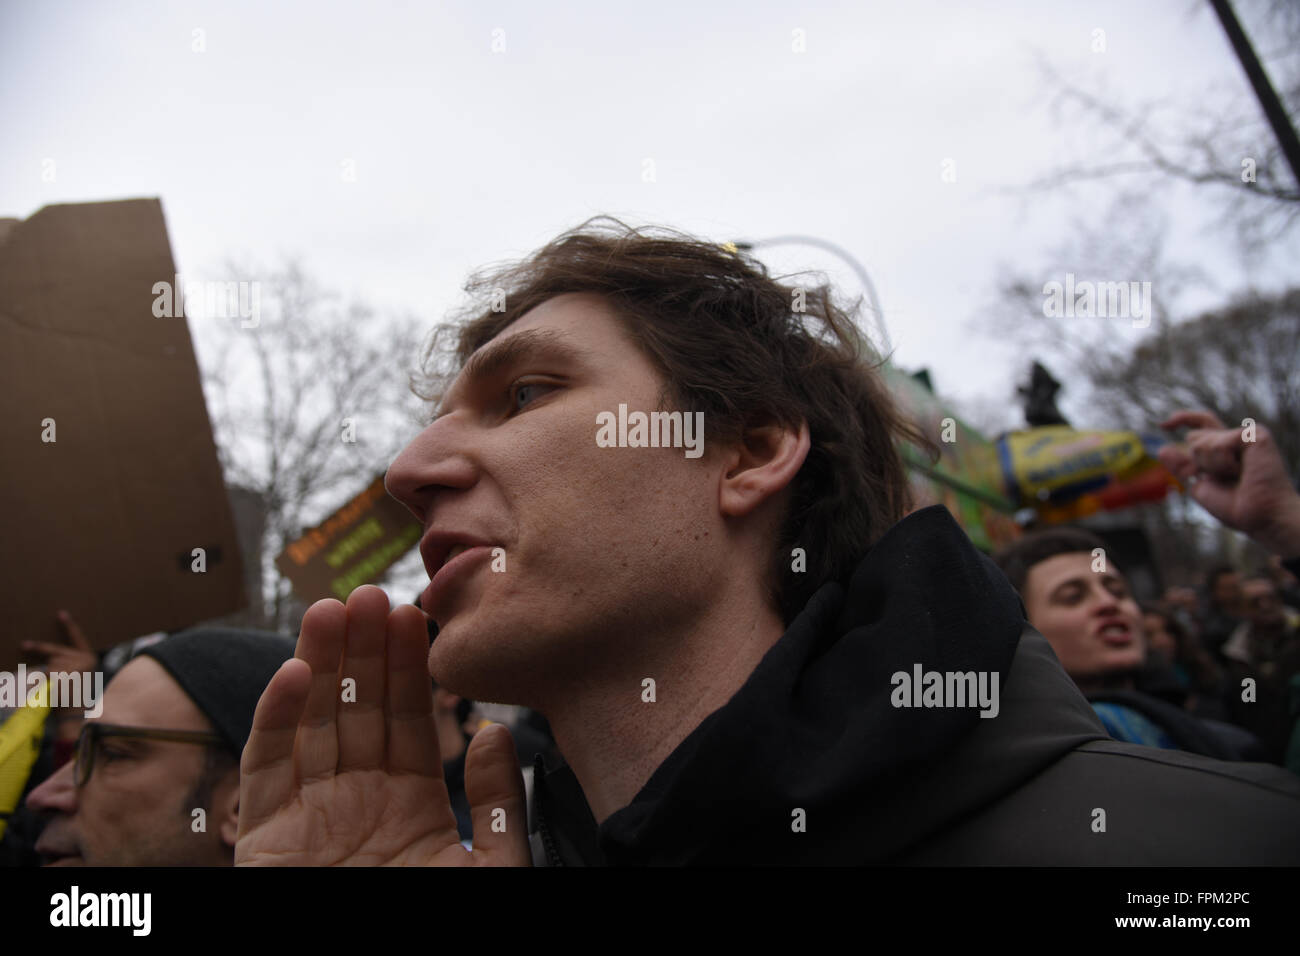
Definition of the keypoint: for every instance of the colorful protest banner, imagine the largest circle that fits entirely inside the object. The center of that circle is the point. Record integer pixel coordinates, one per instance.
(353, 546)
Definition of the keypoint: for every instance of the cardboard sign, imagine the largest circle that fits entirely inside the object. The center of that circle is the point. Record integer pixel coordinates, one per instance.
(112, 498)
(353, 546)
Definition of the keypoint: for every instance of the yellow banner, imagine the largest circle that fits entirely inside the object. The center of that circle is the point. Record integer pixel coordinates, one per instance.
(1056, 460)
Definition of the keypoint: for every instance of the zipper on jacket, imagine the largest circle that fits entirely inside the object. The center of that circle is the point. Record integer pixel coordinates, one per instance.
(548, 842)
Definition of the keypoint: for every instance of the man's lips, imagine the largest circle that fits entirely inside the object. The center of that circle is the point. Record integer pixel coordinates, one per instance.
(57, 844)
(1116, 634)
(447, 575)
(436, 547)
(58, 855)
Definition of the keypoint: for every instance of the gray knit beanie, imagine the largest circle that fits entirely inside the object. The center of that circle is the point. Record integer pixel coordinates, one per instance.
(224, 671)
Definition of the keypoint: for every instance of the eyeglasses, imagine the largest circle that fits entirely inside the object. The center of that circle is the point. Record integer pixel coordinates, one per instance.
(93, 732)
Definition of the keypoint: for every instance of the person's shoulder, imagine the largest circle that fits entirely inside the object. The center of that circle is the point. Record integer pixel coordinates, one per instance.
(1126, 761)
(1106, 803)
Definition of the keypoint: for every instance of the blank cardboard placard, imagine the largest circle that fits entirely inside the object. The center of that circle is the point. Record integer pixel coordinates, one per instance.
(110, 479)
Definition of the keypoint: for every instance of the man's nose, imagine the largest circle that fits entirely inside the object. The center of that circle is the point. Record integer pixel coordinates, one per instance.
(58, 792)
(439, 458)
(1106, 600)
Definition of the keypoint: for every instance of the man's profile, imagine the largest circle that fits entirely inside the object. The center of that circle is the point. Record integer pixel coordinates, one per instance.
(155, 781)
(714, 640)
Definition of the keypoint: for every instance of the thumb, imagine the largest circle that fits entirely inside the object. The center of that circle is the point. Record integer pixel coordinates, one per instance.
(497, 806)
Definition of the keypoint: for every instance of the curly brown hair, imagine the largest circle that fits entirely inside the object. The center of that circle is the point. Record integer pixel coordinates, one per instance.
(741, 347)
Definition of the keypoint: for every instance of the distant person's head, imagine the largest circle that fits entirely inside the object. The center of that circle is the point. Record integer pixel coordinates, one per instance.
(1077, 598)
(1223, 585)
(1169, 641)
(1162, 631)
(167, 744)
(572, 401)
(1261, 604)
(1181, 597)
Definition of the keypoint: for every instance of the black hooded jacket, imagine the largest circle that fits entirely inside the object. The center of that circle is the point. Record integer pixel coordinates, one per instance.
(810, 762)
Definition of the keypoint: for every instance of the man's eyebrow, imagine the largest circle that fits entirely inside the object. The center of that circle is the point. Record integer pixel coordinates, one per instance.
(1070, 582)
(532, 344)
(1082, 580)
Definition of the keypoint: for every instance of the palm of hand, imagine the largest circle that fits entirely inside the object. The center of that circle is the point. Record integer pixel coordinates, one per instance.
(357, 780)
(360, 818)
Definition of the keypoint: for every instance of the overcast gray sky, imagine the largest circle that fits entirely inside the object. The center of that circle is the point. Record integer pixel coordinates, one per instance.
(464, 154)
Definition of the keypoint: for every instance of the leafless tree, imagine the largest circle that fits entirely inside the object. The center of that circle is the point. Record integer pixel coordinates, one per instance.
(1241, 361)
(307, 405)
(1124, 242)
(1219, 140)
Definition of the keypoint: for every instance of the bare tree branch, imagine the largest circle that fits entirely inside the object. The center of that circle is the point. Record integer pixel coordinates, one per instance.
(280, 392)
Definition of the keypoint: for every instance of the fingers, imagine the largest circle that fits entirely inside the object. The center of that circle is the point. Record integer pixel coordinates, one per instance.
(1178, 461)
(320, 644)
(76, 636)
(1217, 453)
(44, 648)
(1192, 419)
(59, 657)
(361, 721)
(495, 789)
(412, 734)
(1210, 450)
(1209, 466)
(266, 771)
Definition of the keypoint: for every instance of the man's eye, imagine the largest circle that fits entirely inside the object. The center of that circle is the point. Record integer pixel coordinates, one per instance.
(108, 753)
(522, 393)
(1071, 595)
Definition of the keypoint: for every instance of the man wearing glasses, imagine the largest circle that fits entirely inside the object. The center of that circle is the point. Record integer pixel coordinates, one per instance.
(155, 780)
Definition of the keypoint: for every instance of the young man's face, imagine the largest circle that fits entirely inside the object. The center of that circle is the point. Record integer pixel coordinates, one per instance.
(1088, 617)
(600, 546)
(135, 808)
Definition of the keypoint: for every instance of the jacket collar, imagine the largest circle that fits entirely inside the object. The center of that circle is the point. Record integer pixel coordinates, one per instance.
(816, 729)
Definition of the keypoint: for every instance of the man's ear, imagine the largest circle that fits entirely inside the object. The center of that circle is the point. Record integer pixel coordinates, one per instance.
(226, 806)
(761, 464)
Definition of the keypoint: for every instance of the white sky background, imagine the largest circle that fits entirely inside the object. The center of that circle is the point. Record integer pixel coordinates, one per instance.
(464, 156)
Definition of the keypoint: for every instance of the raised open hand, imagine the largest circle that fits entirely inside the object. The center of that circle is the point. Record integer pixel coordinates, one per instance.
(339, 774)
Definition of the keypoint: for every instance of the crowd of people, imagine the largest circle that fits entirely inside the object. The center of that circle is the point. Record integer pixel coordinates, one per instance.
(716, 641)
(1210, 674)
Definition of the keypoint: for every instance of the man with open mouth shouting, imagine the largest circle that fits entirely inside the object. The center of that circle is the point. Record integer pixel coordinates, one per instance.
(712, 638)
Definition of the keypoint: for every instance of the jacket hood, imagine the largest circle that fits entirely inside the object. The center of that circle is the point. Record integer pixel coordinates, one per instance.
(816, 758)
